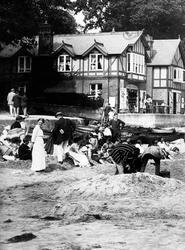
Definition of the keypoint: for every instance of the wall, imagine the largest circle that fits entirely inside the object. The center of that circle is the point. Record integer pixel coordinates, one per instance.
(149, 79)
(109, 85)
(153, 120)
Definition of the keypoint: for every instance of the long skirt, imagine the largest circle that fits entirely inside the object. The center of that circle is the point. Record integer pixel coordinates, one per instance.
(38, 155)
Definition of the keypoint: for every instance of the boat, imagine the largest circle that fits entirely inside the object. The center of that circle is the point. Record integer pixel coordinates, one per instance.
(162, 130)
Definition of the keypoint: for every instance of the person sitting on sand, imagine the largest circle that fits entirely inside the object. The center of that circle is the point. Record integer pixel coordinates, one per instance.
(17, 122)
(24, 152)
(165, 147)
(140, 146)
(76, 153)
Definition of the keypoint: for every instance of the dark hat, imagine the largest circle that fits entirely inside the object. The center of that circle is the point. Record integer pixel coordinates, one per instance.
(58, 114)
(19, 118)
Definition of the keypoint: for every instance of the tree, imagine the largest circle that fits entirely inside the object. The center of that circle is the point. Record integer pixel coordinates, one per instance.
(22, 18)
(159, 18)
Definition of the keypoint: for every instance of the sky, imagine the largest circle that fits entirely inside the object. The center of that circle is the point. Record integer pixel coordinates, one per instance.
(79, 19)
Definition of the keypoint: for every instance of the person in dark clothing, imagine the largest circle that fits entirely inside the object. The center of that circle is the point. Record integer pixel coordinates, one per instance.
(123, 155)
(17, 123)
(24, 101)
(153, 152)
(106, 111)
(61, 134)
(116, 126)
(24, 152)
(16, 102)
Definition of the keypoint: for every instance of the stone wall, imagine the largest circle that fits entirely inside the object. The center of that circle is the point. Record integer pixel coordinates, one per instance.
(153, 120)
(73, 111)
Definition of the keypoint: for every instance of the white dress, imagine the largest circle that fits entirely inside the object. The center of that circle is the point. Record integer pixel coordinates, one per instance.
(78, 156)
(38, 151)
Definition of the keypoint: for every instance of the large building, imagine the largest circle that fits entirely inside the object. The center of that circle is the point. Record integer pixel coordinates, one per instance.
(166, 75)
(121, 67)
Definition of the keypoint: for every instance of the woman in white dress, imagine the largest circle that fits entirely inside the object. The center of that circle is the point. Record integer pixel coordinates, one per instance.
(38, 151)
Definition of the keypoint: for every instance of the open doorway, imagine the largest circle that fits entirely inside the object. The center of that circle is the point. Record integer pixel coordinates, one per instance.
(174, 102)
(132, 97)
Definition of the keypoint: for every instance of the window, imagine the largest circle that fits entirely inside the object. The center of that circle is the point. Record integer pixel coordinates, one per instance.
(24, 64)
(64, 63)
(96, 62)
(183, 75)
(135, 63)
(178, 75)
(95, 89)
(160, 76)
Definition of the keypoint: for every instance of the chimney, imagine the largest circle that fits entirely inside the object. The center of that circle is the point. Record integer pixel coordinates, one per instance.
(45, 39)
(150, 42)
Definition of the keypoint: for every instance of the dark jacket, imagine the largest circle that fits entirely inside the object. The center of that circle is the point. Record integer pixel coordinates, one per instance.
(16, 101)
(16, 124)
(62, 131)
(24, 152)
(24, 101)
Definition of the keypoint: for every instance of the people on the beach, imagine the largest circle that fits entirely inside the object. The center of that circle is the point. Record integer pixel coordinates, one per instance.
(24, 151)
(37, 144)
(125, 155)
(106, 111)
(139, 146)
(153, 152)
(17, 122)
(61, 134)
(116, 126)
(77, 153)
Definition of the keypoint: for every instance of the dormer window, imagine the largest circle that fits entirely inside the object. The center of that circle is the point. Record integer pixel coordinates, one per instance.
(96, 61)
(24, 64)
(64, 63)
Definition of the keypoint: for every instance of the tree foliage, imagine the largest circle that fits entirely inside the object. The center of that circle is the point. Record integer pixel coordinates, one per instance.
(20, 18)
(159, 18)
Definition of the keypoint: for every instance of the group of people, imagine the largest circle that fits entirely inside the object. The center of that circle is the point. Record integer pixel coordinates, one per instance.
(12, 138)
(103, 145)
(17, 103)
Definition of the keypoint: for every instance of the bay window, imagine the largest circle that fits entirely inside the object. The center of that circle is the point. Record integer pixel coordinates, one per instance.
(64, 63)
(24, 64)
(178, 75)
(135, 63)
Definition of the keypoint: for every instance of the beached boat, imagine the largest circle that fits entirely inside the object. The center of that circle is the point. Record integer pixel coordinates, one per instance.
(162, 130)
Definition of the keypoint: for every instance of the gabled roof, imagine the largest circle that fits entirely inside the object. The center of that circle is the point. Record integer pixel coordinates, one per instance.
(10, 50)
(67, 47)
(164, 51)
(113, 42)
(97, 45)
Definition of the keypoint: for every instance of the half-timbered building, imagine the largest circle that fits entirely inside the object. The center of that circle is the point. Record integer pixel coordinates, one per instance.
(121, 67)
(112, 65)
(166, 75)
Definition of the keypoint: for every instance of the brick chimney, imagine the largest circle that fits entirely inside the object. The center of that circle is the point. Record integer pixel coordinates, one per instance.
(45, 39)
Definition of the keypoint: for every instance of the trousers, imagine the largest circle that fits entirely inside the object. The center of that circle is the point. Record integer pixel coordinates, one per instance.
(60, 150)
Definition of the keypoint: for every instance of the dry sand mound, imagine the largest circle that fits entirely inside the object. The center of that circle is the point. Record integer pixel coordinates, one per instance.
(106, 197)
(105, 186)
